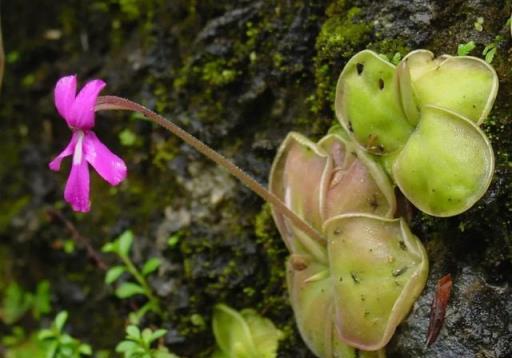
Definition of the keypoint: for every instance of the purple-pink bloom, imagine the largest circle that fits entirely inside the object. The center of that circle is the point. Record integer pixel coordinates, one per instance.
(86, 148)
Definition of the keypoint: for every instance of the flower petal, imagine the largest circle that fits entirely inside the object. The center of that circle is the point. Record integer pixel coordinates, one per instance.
(81, 114)
(64, 95)
(76, 192)
(107, 164)
(70, 148)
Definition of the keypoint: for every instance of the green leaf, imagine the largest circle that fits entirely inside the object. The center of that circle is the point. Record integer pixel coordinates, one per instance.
(465, 85)
(174, 239)
(164, 353)
(69, 246)
(129, 289)
(51, 350)
(396, 58)
(368, 104)
(66, 339)
(85, 349)
(231, 331)
(150, 266)
(307, 172)
(41, 304)
(489, 53)
(125, 242)
(380, 269)
(126, 346)
(133, 332)
(45, 334)
(447, 164)
(16, 303)
(310, 291)
(465, 49)
(146, 336)
(265, 335)
(109, 247)
(363, 186)
(157, 334)
(478, 24)
(60, 320)
(127, 137)
(114, 273)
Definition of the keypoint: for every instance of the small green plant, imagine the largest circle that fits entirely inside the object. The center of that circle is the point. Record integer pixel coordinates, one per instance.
(121, 247)
(489, 52)
(478, 24)
(397, 57)
(59, 344)
(17, 302)
(244, 334)
(19, 345)
(138, 344)
(465, 49)
(349, 274)
(490, 49)
(174, 239)
(435, 112)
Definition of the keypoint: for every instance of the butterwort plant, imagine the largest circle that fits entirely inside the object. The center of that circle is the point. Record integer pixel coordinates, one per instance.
(421, 119)
(355, 269)
(346, 193)
(349, 291)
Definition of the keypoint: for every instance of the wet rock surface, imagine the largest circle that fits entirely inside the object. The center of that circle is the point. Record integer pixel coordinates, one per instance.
(239, 75)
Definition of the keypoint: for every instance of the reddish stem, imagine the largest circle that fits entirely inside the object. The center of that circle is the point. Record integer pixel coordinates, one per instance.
(118, 103)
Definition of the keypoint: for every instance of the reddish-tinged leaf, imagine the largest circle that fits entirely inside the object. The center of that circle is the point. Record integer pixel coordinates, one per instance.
(438, 310)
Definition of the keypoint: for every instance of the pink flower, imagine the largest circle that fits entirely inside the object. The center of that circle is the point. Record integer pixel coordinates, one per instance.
(86, 148)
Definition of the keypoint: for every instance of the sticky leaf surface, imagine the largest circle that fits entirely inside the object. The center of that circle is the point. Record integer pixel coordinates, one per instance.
(464, 84)
(368, 104)
(447, 164)
(378, 269)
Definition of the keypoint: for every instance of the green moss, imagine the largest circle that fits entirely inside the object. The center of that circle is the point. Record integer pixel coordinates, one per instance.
(124, 14)
(342, 35)
(263, 224)
(390, 48)
(339, 35)
(217, 73)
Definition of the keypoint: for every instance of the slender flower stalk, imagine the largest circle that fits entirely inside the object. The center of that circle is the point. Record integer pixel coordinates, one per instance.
(118, 103)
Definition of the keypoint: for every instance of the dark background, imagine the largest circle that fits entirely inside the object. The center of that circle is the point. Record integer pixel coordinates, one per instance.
(239, 75)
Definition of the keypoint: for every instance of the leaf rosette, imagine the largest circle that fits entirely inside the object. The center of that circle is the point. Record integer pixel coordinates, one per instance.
(330, 183)
(421, 117)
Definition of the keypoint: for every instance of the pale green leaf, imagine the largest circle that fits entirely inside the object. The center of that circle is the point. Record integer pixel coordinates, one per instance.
(114, 273)
(129, 289)
(85, 349)
(60, 320)
(151, 265)
(109, 247)
(157, 334)
(465, 49)
(126, 346)
(133, 332)
(125, 242)
(368, 104)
